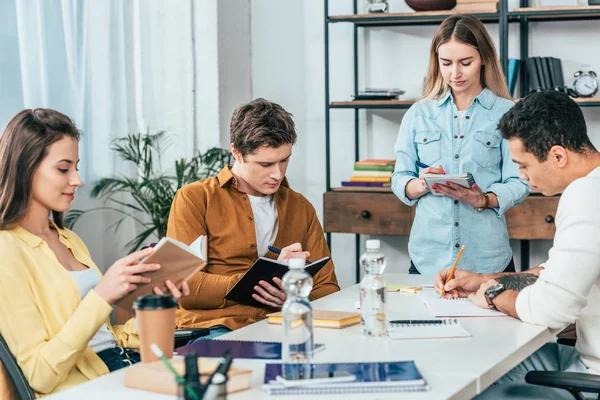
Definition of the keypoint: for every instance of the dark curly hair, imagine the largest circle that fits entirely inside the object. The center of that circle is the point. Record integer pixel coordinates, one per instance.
(545, 119)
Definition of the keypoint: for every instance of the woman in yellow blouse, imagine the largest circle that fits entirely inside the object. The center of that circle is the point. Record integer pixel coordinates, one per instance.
(54, 302)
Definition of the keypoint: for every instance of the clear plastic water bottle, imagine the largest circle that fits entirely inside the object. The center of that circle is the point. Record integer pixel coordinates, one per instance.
(373, 291)
(297, 346)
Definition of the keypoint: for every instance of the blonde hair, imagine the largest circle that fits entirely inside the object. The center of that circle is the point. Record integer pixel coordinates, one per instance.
(469, 30)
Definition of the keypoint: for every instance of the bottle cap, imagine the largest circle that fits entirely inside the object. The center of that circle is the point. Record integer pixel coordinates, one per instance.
(296, 263)
(373, 244)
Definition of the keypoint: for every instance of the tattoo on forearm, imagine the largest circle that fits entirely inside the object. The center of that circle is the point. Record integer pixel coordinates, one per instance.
(517, 281)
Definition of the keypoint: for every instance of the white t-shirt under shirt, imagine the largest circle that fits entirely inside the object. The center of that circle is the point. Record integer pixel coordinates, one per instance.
(461, 118)
(568, 289)
(265, 222)
(86, 280)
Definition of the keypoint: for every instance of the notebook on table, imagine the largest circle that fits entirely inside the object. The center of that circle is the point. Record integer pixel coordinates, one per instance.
(265, 269)
(237, 349)
(375, 377)
(463, 307)
(325, 319)
(427, 329)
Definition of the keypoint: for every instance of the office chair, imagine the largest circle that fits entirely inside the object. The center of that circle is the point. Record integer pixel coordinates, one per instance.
(14, 372)
(574, 382)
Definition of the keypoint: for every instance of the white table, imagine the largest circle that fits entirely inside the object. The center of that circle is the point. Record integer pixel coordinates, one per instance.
(453, 368)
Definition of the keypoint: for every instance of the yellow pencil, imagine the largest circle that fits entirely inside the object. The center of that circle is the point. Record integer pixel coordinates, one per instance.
(451, 273)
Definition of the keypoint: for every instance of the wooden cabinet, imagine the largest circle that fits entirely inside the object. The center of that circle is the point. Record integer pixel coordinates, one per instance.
(383, 214)
(533, 219)
(366, 213)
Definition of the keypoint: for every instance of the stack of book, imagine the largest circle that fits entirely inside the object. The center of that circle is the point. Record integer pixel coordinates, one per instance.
(371, 173)
(476, 6)
(545, 73)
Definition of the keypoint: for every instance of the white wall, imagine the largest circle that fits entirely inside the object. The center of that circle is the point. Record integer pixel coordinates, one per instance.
(11, 95)
(287, 67)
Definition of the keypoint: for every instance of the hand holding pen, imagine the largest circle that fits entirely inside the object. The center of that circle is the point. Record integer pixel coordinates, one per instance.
(291, 251)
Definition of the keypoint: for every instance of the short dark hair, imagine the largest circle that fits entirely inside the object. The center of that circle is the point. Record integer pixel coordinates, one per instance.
(545, 119)
(261, 123)
(23, 146)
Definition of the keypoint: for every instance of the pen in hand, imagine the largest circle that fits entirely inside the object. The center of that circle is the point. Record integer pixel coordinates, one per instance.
(277, 251)
(451, 272)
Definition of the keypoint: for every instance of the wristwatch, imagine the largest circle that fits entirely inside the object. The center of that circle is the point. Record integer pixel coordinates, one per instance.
(486, 203)
(492, 292)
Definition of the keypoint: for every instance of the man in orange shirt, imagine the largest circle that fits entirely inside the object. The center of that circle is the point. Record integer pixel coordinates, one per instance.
(242, 211)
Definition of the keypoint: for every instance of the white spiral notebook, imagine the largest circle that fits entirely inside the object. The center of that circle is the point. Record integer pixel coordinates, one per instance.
(441, 307)
(427, 329)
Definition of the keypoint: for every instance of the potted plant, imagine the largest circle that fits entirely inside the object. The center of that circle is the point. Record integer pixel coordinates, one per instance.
(149, 195)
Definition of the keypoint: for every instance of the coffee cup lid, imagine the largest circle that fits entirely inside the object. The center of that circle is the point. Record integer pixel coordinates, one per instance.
(154, 302)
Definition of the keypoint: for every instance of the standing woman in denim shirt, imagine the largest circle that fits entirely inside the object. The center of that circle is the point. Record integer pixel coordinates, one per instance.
(453, 129)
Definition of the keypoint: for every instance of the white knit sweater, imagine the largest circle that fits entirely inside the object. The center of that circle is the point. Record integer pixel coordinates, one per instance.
(568, 289)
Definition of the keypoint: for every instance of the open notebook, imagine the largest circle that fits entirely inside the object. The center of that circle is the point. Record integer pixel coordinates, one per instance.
(439, 329)
(441, 307)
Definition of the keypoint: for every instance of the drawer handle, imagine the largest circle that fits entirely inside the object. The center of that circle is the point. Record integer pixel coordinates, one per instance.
(366, 214)
(549, 219)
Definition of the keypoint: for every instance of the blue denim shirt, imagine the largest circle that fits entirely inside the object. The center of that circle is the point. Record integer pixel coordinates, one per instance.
(430, 133)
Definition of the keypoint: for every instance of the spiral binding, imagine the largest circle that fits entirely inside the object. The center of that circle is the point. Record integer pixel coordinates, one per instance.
(428, 323)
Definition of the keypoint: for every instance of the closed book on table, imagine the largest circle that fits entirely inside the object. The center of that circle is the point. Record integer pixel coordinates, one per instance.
(248, 349)
(369, 377)
(155, 377)
(325, 319)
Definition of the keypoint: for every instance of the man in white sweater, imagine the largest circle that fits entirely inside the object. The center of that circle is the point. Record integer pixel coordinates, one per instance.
(547, 138)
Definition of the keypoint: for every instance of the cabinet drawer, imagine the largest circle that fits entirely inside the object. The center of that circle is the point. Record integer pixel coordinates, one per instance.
(366, 213)
(533, 219)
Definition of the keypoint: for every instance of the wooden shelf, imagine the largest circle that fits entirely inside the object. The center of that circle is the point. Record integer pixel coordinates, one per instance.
(557, 13)
(409, 18)
(373, 104)
(403, 104)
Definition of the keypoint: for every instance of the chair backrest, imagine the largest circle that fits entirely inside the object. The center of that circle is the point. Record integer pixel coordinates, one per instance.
(12, 369)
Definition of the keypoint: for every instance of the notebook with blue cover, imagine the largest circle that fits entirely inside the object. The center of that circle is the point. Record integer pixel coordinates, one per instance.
(373, 377)
(237, 349)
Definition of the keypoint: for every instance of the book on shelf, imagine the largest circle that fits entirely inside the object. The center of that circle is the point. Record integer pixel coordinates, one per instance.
(472, 8)
(361, 377)
(366, 184)
(376, 162)
(373, 168)
(178, 261)
(545, 73)
(513, 73)
(324, 319)
(155, 377)
(370, 179)
(373, 173)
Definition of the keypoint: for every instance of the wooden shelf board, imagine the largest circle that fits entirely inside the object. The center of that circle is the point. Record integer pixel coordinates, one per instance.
(362, 189)
(373, 103)
(587, 100)
(558, 12)
(405, 18)
(556, 8)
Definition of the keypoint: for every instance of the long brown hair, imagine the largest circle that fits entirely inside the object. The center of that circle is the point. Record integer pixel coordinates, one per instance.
(469, 30)
(23, 146)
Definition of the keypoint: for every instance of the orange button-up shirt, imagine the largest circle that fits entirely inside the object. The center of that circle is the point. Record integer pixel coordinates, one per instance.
(216, 208)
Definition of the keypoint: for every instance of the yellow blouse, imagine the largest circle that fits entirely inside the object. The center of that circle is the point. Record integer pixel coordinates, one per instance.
(43, 318)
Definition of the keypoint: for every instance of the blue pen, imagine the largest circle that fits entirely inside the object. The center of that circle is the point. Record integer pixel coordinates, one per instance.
(277, 251)
(420, 164)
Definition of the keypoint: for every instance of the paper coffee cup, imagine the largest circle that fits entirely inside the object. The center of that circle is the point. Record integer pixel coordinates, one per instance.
(156, 324)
